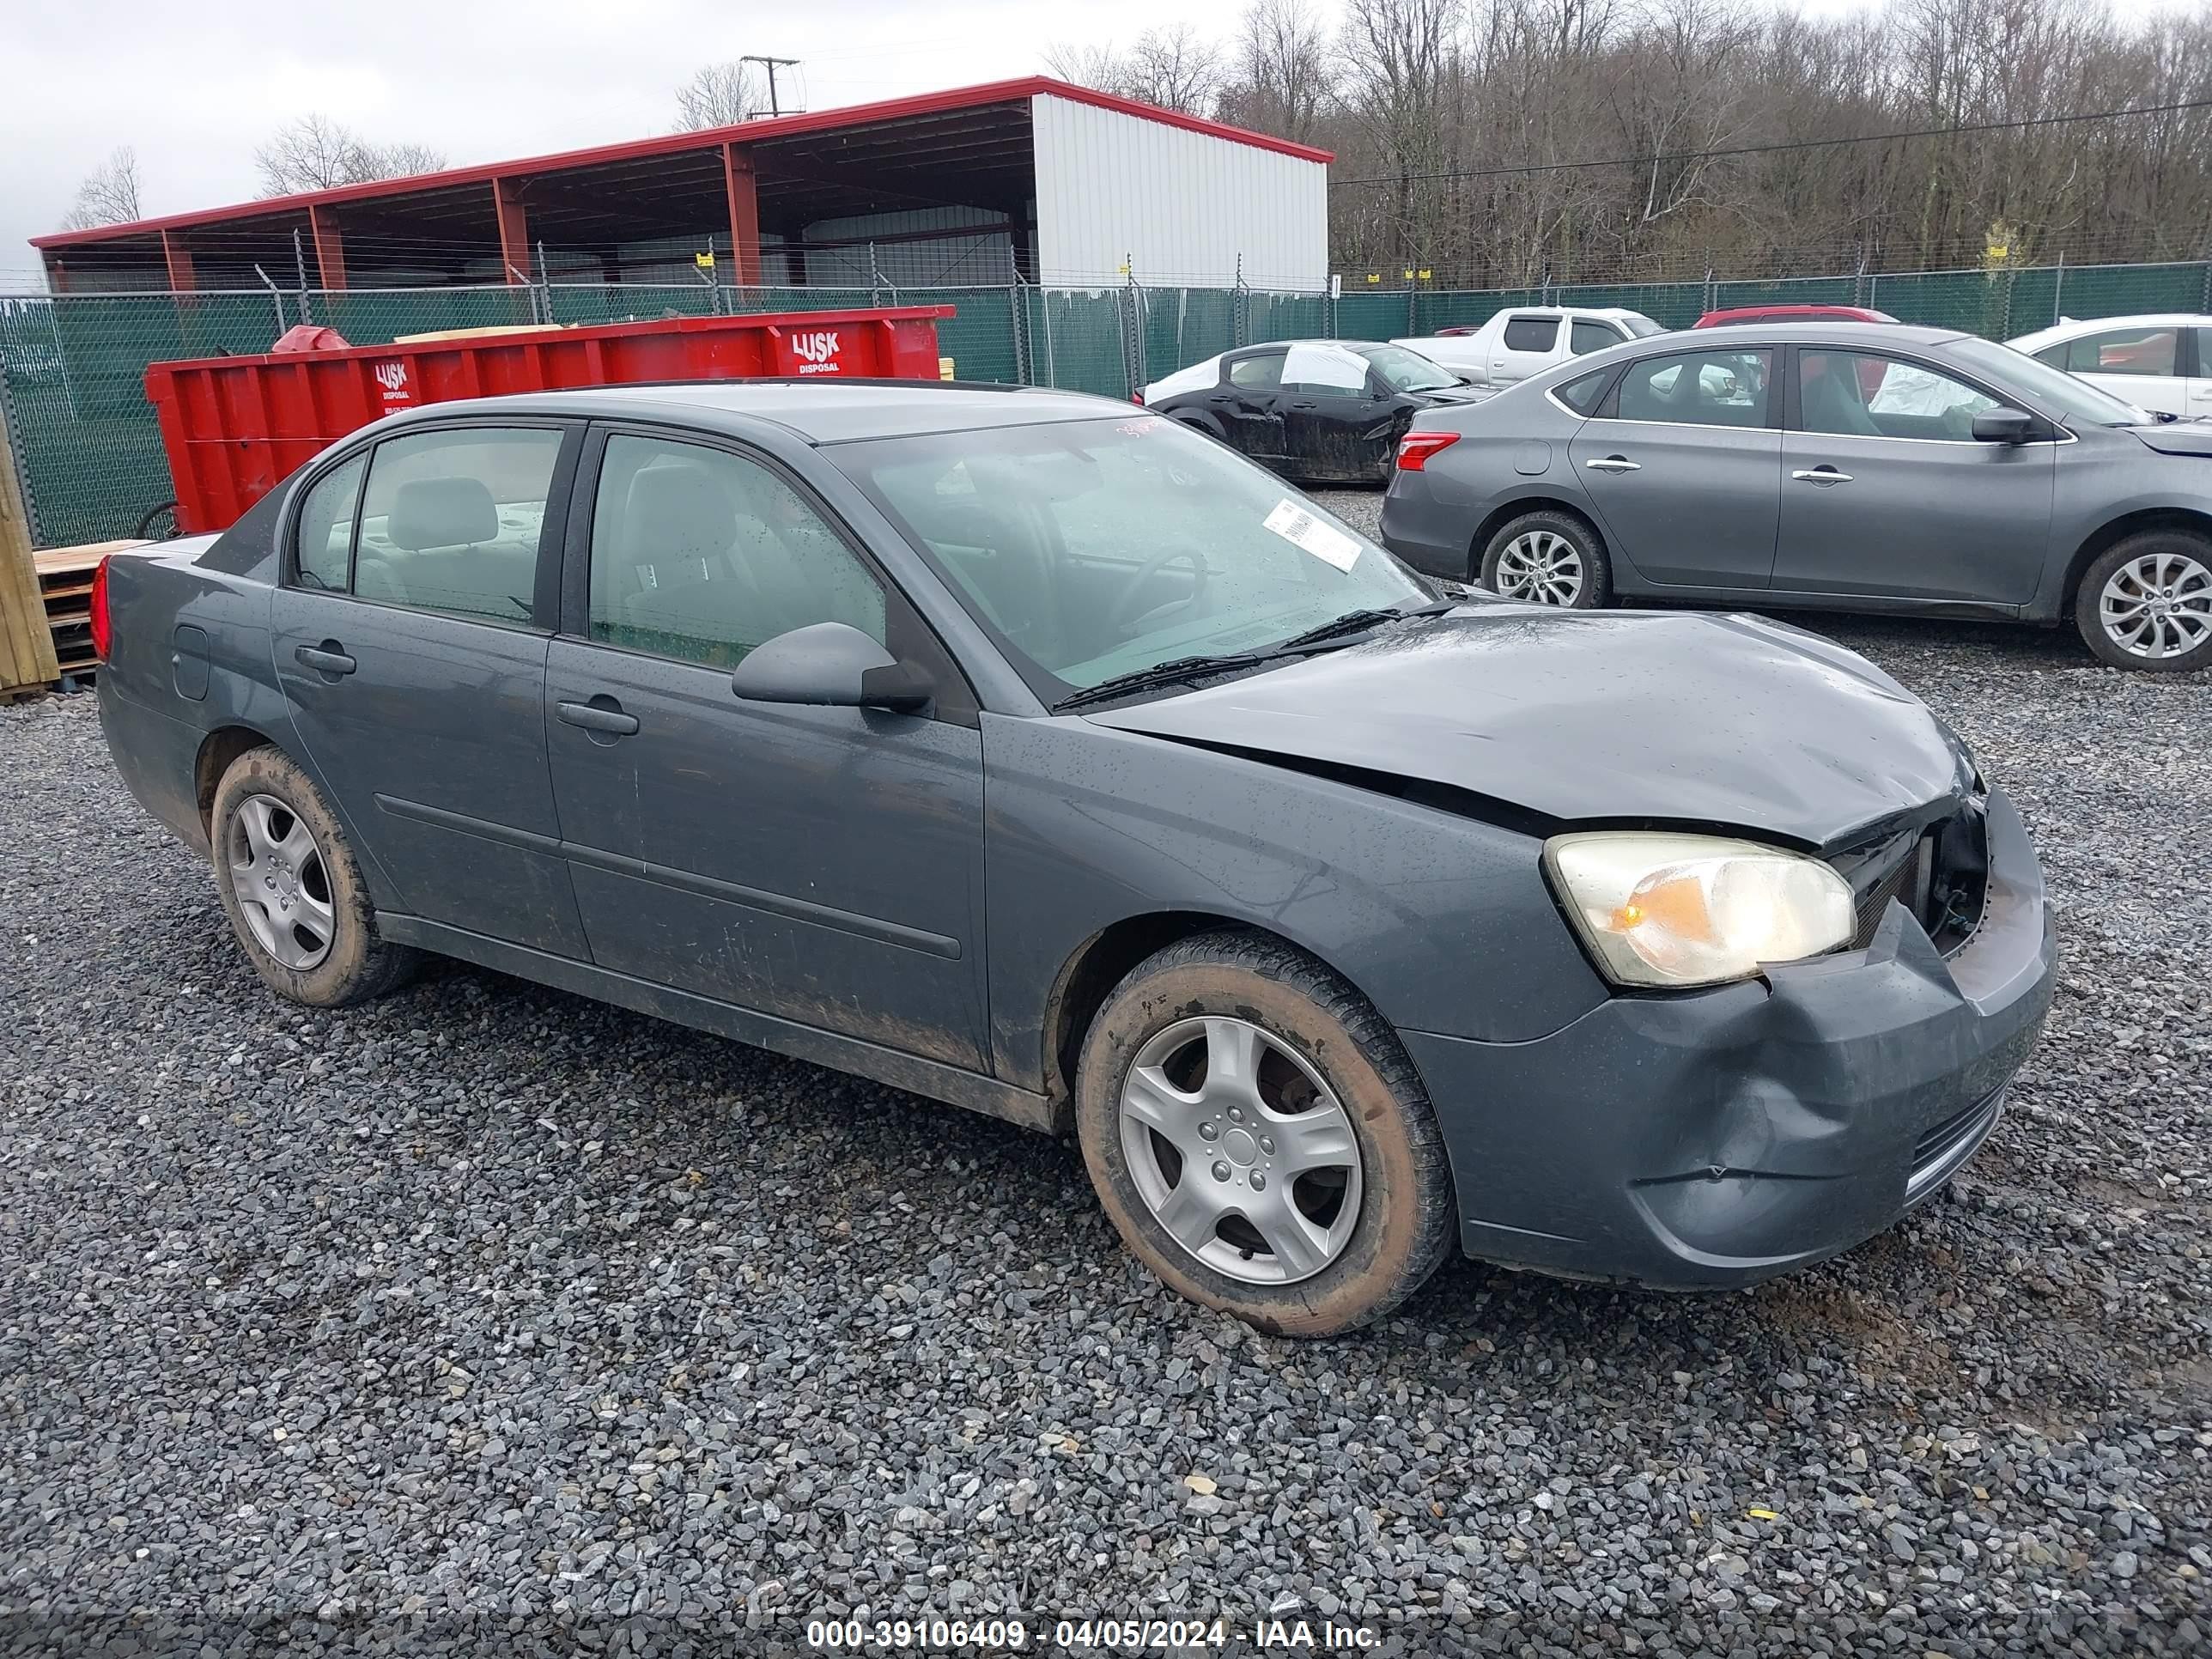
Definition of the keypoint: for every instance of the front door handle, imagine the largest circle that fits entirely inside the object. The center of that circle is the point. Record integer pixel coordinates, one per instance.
(1613, 464)
(328, 658)
(598, 716)
(1822, 474)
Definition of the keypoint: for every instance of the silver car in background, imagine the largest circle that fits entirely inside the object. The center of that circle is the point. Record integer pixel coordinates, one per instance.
(1839, 466)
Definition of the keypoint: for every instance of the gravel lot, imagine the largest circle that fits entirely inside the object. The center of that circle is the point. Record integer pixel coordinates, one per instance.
(531, 1317)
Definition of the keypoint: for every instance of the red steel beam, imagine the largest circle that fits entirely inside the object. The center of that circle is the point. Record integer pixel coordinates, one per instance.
(330, 246)
(745, 215)
(179, 258)
(513, 229)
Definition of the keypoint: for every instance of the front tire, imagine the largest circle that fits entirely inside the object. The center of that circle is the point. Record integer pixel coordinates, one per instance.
(2147, 603)
(1259, 1138)
(293, 890)
(1548, 557)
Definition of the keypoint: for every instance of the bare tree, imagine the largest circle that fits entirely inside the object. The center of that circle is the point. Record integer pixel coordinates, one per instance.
(404, 160)
(1099, 67)
(1279, 79)
(108, 195)
(720, 95)
(1175, 69)
(316, 153)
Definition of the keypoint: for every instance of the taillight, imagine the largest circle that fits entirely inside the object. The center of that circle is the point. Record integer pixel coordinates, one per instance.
(100, 629)
(1415, 448)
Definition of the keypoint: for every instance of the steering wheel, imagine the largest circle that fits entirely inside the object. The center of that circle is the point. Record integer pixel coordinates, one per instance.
(1124, 611)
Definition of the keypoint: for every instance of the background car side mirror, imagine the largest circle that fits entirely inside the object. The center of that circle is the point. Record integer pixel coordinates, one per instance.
(2003, 426)
(831, 664)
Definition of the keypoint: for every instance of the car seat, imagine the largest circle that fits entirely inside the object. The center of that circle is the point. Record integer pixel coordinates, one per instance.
(449, 529)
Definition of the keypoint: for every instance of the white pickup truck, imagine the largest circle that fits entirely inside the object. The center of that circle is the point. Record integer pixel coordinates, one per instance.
(1520, 342)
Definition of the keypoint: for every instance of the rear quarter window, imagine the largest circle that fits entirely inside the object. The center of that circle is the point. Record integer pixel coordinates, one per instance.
(1582, 395)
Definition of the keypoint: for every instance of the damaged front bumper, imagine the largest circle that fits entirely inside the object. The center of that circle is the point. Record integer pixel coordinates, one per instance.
(1718, 1138)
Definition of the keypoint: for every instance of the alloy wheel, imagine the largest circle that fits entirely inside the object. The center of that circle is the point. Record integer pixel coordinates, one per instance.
(1542, 567)
(2157, 605)
(281, 883)
(1240, 1150)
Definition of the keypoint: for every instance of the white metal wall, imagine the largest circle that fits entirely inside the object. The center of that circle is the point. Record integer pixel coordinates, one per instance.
(1178, 206)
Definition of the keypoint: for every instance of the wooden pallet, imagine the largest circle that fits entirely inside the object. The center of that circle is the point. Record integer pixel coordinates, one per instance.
(65, 587)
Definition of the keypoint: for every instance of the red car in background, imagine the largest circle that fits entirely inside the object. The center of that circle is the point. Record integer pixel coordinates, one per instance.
(1792, 314)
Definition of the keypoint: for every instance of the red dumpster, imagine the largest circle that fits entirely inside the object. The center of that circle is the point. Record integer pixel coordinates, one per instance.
(234, 428)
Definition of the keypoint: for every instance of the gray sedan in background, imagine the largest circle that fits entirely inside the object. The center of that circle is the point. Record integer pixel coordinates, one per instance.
(1847, 467)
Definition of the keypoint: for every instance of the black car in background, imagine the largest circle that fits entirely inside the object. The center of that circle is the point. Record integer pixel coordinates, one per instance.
(1320, 411)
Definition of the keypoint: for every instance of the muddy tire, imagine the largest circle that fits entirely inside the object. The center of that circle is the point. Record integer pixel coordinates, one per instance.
(293, 890)
(1256, 1133)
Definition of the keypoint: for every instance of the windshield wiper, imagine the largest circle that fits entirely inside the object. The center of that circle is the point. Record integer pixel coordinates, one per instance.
(1174, 671)
(1352, 621)
(1329, 636)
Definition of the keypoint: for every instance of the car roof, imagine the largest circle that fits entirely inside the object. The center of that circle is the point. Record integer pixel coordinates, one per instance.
(820, 412)
(1815, 330)
(1797, 310)
(2071, 326)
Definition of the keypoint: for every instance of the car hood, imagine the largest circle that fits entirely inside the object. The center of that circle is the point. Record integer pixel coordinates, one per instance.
(1599, 716)
(2177, 437)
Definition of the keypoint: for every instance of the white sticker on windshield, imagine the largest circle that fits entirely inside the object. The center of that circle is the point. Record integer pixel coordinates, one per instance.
(1301, 529)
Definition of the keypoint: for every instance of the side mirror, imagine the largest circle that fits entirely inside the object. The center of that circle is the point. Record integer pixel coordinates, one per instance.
(2003, 426)
(830, 665)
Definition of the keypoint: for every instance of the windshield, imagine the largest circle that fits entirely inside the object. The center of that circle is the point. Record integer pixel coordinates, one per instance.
(1094, 548)
(1406, 370)
(2074, 400)
(1638, 326)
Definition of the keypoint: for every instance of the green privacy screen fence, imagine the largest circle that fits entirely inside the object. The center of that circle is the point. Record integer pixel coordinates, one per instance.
(72, 367)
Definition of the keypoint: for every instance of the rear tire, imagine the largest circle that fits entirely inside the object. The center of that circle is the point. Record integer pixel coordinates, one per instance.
(1314, 1194)
(2151, 591)
(293, 890)
(1549, 557)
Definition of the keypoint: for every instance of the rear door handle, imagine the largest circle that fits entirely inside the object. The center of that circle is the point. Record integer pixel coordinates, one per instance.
(328, 658)
(1613, 464)
(1823, 474)
(606, 717)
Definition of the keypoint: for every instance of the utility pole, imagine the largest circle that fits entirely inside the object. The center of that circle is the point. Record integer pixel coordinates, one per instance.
(772, 64)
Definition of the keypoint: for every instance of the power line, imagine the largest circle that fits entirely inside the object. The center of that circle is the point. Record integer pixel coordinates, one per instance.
(1772, 149)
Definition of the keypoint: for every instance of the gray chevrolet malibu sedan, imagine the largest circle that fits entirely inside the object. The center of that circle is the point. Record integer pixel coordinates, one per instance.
(1848, 466)
(1043, 756)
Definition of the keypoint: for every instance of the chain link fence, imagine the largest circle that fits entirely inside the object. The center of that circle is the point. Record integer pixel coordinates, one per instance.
(89, 455)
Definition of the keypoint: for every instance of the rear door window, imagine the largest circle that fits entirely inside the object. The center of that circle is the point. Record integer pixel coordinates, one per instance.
(452, 520)
(1531, 333)
(1259, 373)
(1698, 388)
(2126, 351)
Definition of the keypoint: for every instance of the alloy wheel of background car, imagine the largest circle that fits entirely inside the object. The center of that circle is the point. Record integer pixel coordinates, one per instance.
(2158, 605)
(1541, 566)
(2147, 603)
(1547, 556)
(293, 890)
(1240, 1150)
(283, 886)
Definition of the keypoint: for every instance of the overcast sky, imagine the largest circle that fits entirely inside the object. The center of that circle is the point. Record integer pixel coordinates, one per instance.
(194, 87)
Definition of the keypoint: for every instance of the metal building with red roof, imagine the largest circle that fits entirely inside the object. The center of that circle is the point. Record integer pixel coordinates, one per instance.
(1058, 184)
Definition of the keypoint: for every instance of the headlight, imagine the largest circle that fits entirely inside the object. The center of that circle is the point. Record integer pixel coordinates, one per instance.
(1676, 910)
